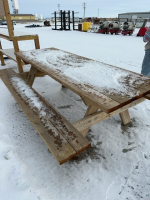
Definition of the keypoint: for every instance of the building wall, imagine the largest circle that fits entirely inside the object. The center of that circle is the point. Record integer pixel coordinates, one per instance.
(22, 17)
(130, 16)
(2, 12)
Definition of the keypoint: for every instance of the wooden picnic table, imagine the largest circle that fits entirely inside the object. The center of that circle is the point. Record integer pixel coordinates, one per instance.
(106, 90)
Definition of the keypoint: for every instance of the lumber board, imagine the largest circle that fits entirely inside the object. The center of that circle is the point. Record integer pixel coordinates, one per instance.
(125, 117)
(36, 42)
(16, 49)
(1, 55)
(101, 98)
(95, 118)
(4, 33)
(91, 109)
(63, 140)
(24, 75)
(101, 101)
(9, 53)
(147, 96)
(8, 19)
(31, 76)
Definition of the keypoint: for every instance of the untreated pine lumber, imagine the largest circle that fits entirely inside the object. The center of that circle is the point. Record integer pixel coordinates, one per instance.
(24, 75)
(8, 19)
(125, 117)
(16, 49)
(147, 96)
(36, 42)
(63, 140)
(27, 37)
(1, 55)
(91, 109)
(101, 101)
(93, 119)
(31, 76)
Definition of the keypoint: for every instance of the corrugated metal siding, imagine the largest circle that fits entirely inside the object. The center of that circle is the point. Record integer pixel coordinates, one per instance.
(129, 16)
(2, 12)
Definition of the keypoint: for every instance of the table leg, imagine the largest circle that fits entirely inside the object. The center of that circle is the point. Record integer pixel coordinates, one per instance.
(91, 109)
(125, 117)
(1, 56)
(36, 42)
(16, 49)
(31, 76)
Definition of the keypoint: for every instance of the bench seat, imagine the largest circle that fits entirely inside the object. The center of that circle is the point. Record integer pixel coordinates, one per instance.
(62, 139)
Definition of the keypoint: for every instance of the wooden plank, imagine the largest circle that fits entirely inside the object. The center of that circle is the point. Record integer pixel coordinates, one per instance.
(74, 137)
(104, 99)
(141, 90)
(8, 18)
(101, 101)
(5, 37)
(1, 55)
(31, 76)
(16, 49)
(37, 43)
(93, 119)
(25, 37)
(24, 75)
(61, 154)
(91, 109)
(147, 96)
(125, 117)
(9, 53)
(19, 35)
(68, 142)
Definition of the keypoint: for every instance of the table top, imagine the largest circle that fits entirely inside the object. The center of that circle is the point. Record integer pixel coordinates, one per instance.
(105, 86)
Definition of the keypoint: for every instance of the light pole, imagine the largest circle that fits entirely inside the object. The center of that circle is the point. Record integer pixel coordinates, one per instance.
(84, 7)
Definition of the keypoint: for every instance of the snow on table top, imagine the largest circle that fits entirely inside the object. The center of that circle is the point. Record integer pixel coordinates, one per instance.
(96, 76)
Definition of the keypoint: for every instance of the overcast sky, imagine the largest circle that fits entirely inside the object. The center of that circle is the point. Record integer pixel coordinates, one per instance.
(107, 8)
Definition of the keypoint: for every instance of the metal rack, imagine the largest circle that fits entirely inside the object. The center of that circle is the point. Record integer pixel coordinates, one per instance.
(74, 21)
(62, 20)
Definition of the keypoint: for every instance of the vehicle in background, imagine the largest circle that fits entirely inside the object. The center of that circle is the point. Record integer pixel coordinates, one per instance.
(128, 28)
(5, 23)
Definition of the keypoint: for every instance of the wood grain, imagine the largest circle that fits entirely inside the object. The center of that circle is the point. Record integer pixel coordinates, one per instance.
(63, 140)
(102, 99)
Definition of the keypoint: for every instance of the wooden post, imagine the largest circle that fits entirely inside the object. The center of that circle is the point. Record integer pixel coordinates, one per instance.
(31, 76)
(16, 49)
(125, 117)
(1, 56)
(37, 43)
(8, 19)
(91, 109)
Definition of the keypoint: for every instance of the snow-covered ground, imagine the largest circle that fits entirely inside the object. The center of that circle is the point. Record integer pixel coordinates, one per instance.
(116, 167)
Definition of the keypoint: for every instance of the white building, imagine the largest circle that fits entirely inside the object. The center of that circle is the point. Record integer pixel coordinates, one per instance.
(132, 16)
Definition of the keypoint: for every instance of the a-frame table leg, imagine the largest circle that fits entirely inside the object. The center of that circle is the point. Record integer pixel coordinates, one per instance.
(31, 76)
(125, 117)
(91, 109)
(1, 56)
(36, 42)
(16, 49)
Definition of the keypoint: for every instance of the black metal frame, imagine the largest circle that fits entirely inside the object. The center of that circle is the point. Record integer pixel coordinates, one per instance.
(74, 22)
(64, 19)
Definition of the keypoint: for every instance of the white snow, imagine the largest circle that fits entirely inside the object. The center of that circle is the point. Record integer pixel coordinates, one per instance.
(89, 73)
(116, 167)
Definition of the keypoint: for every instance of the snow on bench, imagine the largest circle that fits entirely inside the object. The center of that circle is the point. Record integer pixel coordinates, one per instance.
(63, 140)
